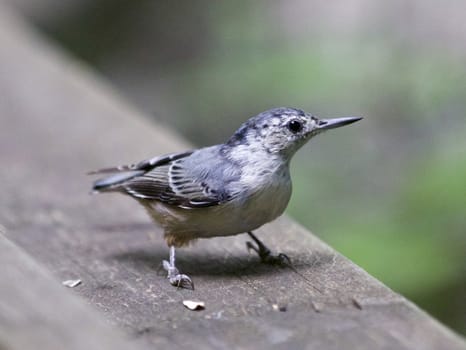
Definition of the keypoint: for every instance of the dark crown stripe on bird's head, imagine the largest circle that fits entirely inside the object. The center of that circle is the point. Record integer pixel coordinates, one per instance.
(288, 110)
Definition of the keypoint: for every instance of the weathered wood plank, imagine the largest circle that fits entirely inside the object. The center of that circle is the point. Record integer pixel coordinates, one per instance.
(60, 121)
(36, 312)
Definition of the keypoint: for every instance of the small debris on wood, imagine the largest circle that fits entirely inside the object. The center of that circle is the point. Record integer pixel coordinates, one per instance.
(277, 307)
(71, 283)
(194, 305)
(356, 303)
(317, 306)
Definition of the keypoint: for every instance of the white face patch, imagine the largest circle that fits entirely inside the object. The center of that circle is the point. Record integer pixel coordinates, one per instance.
(276, 121)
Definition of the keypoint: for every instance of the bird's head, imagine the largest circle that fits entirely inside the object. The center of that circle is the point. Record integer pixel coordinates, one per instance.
(284, 130)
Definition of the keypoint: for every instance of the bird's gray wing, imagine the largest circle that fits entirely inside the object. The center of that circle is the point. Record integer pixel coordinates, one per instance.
(119, 175)
(144, 165)
(194, 181)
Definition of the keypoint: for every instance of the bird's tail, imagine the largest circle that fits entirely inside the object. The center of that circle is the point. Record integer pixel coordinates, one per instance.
(113, 182)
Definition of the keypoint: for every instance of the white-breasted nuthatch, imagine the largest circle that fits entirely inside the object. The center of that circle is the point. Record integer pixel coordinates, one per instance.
(221, 190)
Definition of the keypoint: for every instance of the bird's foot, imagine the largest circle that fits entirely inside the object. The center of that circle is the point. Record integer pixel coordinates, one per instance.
(176, 278)
(265, 254)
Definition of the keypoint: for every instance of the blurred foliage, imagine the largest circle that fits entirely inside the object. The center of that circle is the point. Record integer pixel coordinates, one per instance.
(389, 192)
(416, 242)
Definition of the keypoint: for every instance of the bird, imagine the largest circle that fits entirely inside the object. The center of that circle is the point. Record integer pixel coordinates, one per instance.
(221, 190)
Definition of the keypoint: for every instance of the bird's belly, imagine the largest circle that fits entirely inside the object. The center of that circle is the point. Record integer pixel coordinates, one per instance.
(233, 217)
(261, 208)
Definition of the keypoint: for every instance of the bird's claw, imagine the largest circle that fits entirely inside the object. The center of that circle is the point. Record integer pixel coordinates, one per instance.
(266, 255)
(176, 278)
(282, 259)
(182, 281)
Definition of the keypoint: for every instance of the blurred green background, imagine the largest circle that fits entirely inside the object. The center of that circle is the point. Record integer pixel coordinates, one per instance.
(389, 192)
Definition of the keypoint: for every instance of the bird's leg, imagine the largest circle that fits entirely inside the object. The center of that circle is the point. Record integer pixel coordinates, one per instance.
(265, 254)
(176, 278)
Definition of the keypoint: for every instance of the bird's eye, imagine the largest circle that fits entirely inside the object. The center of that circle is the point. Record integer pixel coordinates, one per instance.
(295, 126)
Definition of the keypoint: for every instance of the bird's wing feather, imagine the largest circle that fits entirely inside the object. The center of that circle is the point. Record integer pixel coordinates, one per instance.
(173, 184)
(146, 164)
(191, 179)
(121, 174)
(188, 180)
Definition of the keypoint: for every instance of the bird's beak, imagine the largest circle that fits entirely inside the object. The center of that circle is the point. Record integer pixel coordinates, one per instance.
(325, 124)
